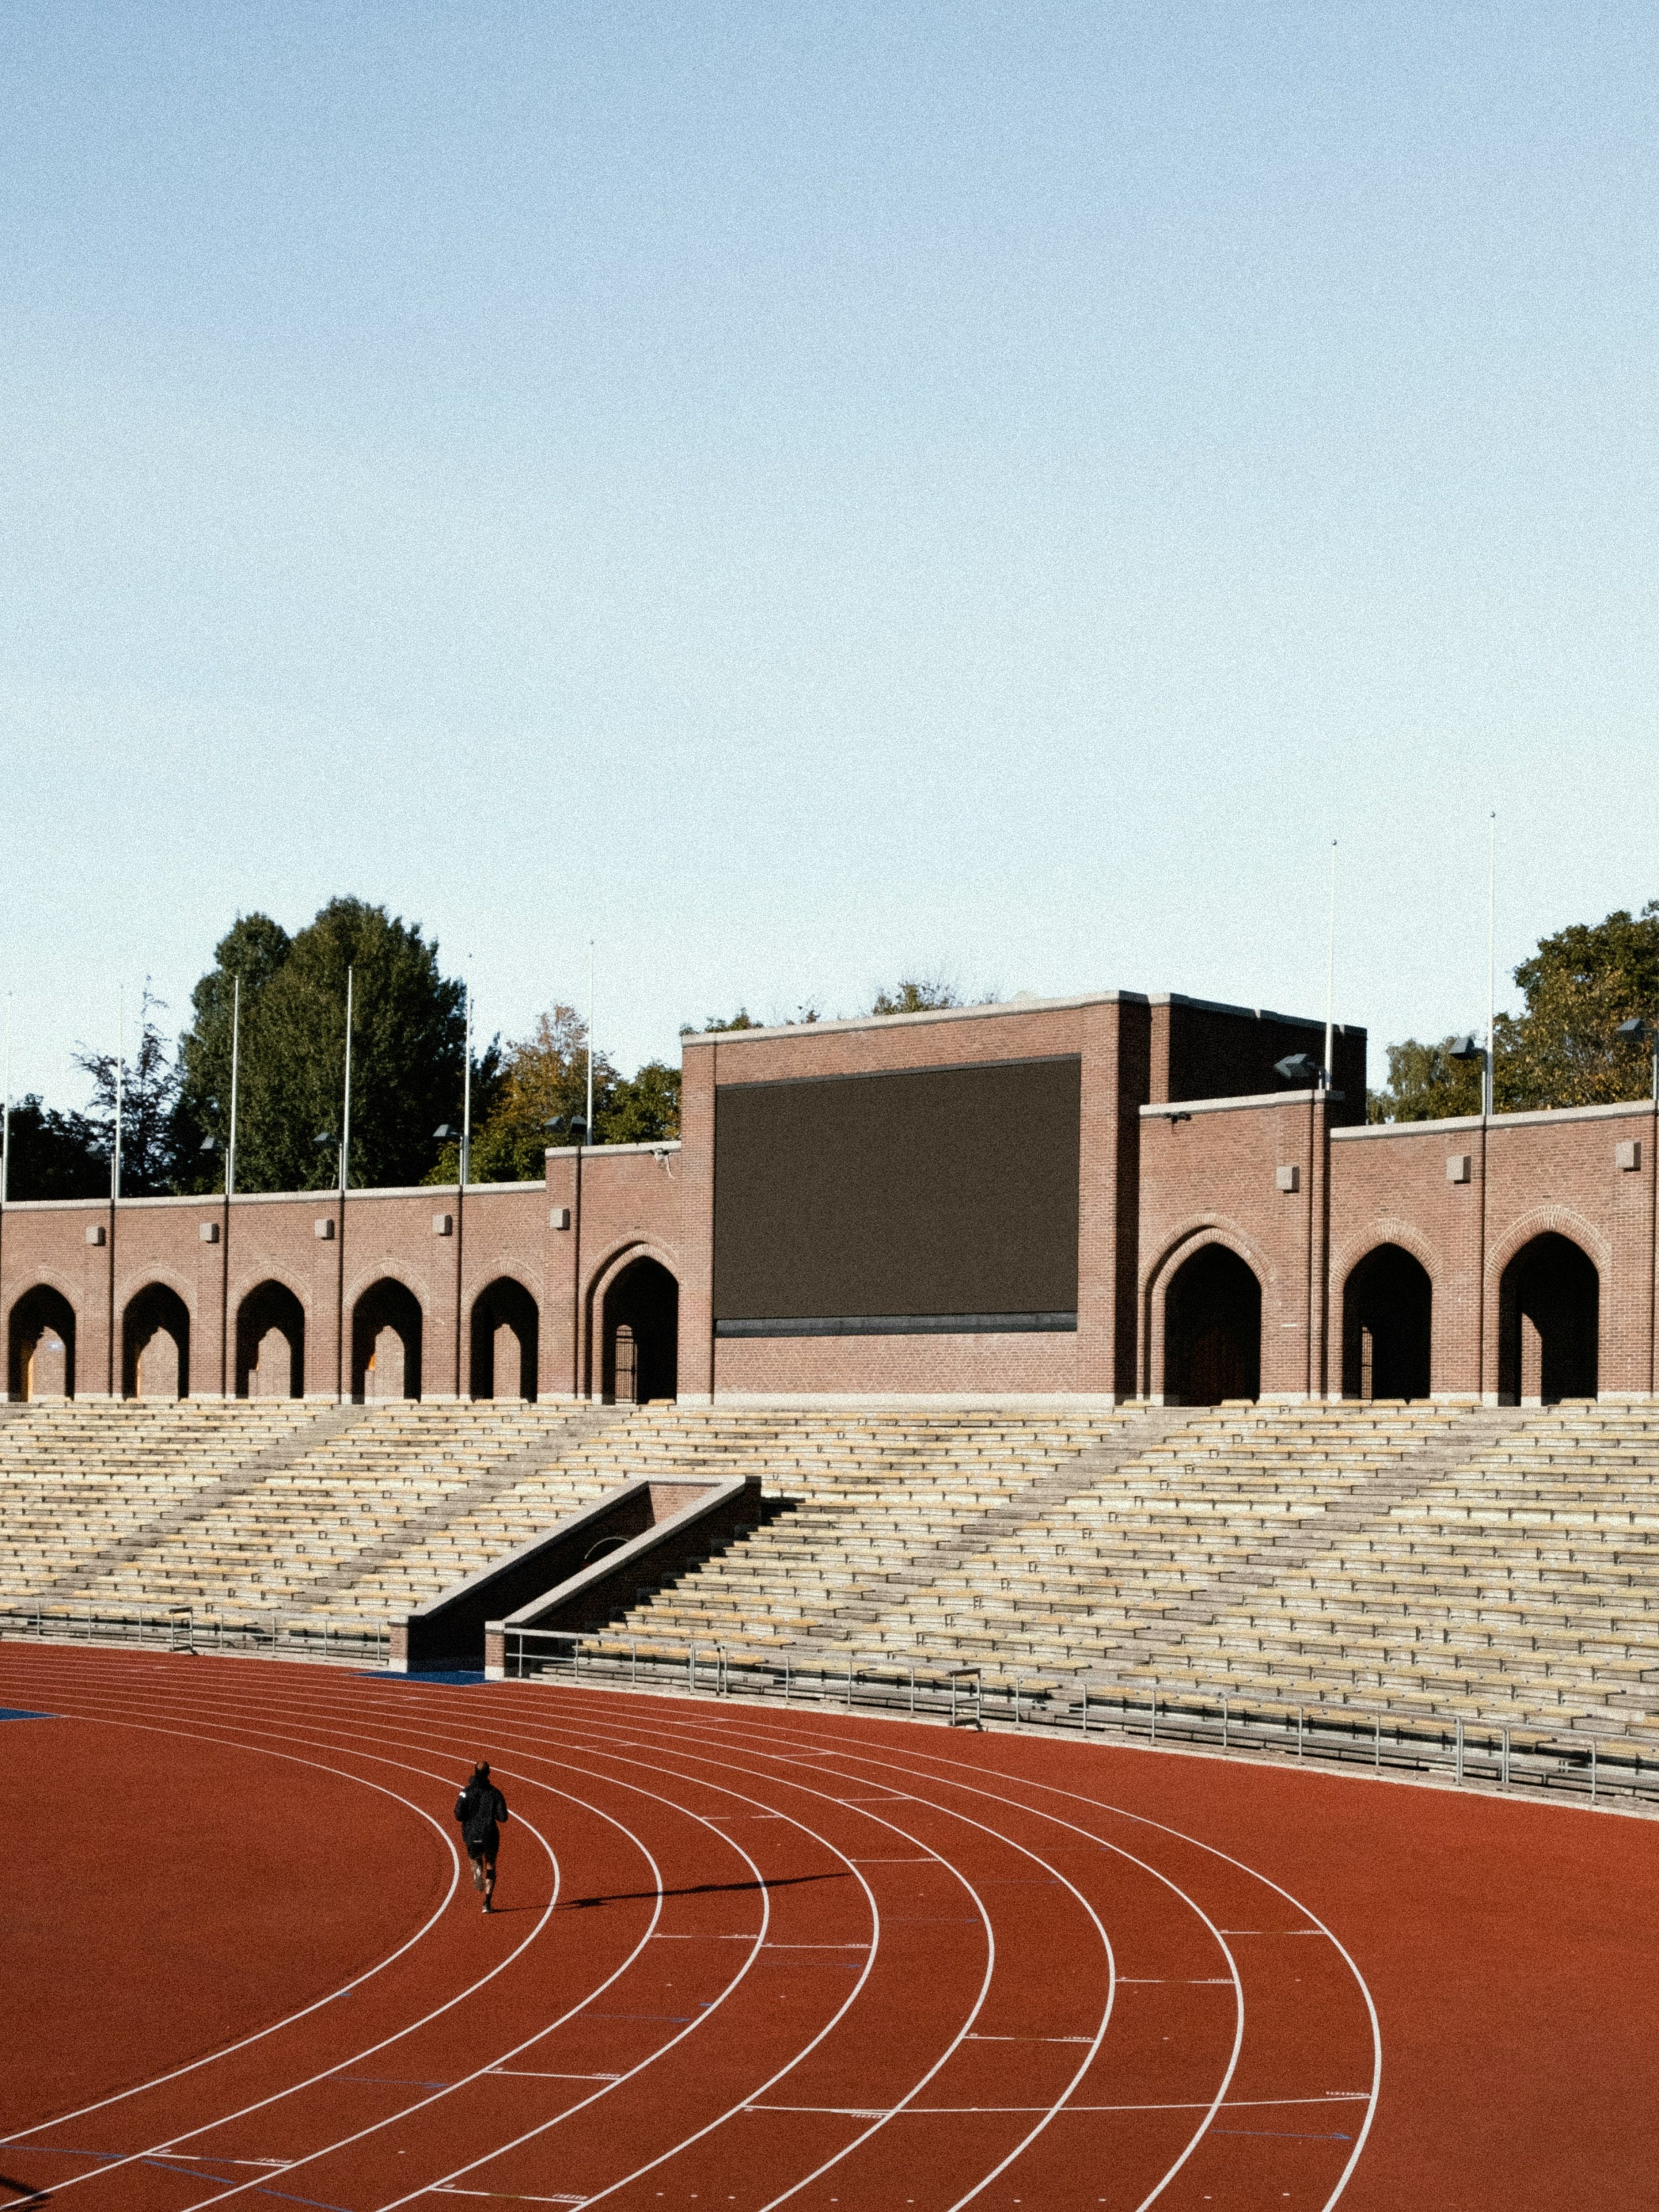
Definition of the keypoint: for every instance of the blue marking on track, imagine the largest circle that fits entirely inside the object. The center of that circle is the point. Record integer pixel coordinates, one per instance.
(462, 1677)
(22, 1713)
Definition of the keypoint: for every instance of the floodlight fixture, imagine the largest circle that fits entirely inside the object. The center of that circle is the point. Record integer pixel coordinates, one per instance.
(1635, 1029)
(1298, 1067)
(1467, 1047)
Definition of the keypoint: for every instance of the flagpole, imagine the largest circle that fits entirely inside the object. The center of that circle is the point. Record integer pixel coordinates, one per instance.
(345, 1116)
(1489, 1102)
(590, 1040)
(120, 1075)
(235, 1053)
(5, 1125)
(1330, 973)
(467, 1086)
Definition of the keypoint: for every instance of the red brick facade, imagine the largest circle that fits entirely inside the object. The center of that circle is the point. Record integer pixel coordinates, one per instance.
(458, 1293)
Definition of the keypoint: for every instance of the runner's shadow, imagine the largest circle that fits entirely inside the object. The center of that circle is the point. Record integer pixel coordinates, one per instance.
(701, 1889)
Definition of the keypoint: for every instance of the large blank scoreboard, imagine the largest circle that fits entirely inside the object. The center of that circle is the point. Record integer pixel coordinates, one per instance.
(925, 1200)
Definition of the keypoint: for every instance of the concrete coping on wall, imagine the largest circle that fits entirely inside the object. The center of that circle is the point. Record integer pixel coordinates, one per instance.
(1182, 1109)
(1452, 1124)
(62, 1205)
(595, 1152)
(996, 1008)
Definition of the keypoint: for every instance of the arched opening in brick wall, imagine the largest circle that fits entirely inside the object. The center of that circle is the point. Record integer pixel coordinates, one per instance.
(1388, 1309)
(1211, 1330)
(270, 1344)
(155, 1345)
(1549, 1313)
(505, 1328)
(387, 1327)
(40, 1352)
(641, 1335)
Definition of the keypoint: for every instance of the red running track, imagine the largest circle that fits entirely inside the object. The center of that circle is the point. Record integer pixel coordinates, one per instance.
(750, 1958)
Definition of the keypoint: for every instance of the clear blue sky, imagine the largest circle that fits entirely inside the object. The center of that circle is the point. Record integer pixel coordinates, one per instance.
(808, 494)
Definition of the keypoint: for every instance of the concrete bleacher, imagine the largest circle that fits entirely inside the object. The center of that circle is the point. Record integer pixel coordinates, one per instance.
(1423, 1557)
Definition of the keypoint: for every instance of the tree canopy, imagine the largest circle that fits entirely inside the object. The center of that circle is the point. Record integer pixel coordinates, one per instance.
(408, 1043)
(1564, 1049)
(542, 1082)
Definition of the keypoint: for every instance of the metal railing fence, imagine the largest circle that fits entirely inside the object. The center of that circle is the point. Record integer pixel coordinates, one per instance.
(1455, 1747)
(200, 1629)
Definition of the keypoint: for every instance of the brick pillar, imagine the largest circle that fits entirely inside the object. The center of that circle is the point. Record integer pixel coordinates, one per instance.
(557, 1366)
(697, 1172)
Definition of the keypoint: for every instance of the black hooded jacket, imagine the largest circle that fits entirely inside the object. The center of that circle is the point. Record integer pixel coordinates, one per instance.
(479, 1808)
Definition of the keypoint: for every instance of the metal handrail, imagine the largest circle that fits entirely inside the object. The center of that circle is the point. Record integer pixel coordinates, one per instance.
(188, 1628)
(1462, 1748)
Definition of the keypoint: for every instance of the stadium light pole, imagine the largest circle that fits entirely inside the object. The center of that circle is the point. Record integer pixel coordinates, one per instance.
(589, 1125)
(345, 1111)
(466, 1084)
(1330, 972)
(235, 1054)
(120, 1073)
(1635, 1029)
(1490, 1085)
(5, 1123)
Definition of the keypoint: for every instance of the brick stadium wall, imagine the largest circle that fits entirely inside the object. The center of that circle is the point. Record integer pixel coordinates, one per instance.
(624, 1204)
(976, 1365)
(1209, 1174)
(1159, 1178)
(1528, 1174)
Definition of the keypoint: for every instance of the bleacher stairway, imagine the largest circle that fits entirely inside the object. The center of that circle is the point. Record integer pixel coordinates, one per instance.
(1417, 1555)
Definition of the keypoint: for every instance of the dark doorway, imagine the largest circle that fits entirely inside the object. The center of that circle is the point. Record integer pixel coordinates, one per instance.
(386, 1343)
(40, 1355)
(505, 1326)
(641, 1335)
(1548, 1324)
(270, 1344)
(1387, 1317)
(1211, 1330)
(155, 1345)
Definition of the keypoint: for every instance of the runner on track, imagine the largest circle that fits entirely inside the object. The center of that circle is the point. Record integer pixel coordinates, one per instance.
(481, 1808)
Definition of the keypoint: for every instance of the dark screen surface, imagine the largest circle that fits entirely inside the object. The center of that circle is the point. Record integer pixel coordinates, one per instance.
(928, 1194)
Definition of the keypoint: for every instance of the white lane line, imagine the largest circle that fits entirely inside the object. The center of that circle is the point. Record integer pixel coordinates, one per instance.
(449, 2089)
(187, 2135)
(338, 1724)
(657, 1768)
(964, 1820)
(913, 1773)
(159, 2080)
(936, 1759)
(1194, 2105)
(716, 1735)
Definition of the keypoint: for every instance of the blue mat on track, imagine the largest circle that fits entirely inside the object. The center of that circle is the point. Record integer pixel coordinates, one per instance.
(22, 1713)
(464, 1677)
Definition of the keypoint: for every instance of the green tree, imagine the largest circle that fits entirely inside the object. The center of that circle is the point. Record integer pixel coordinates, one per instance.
(916, 994)
(407, 1053)
(544, 1081)
(55, 1155)
(1564, 1049)
(1579, 985)
(542, 1078)
(148, 1087)
(644, 1108)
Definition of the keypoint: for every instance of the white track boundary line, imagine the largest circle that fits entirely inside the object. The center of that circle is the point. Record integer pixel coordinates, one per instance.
(159, 2080)
(1130, 1858)
(1213, 1850)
